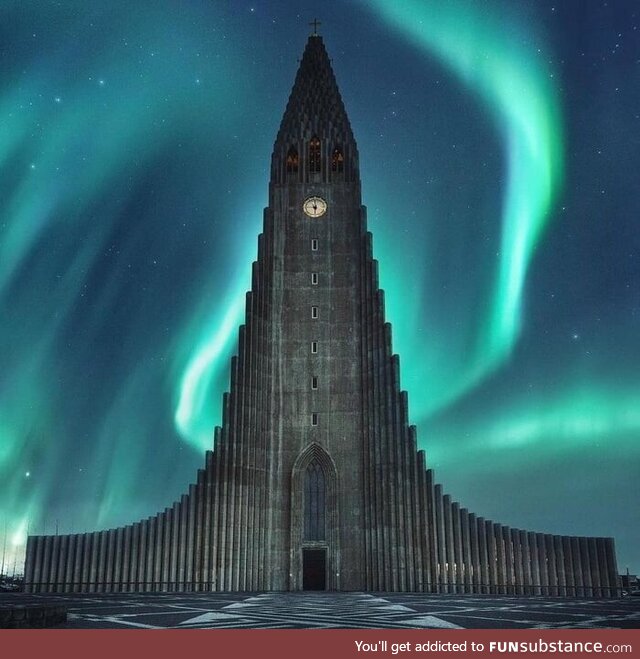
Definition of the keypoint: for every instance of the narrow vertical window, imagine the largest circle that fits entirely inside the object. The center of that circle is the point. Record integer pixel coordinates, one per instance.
(314, 347)
(337, 160)
(314, 382)
(314, 502)
(314, 312)
(314, 278)
(314, 419)
(314, 244)
(314, 155)
(292, 160)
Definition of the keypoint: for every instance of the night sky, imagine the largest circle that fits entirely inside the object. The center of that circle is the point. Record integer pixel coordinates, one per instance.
(500, 161)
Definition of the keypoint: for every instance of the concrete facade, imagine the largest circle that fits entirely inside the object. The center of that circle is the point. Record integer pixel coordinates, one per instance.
(315, 479)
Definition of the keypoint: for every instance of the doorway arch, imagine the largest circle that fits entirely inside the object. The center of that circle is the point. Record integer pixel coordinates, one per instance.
(314, 521)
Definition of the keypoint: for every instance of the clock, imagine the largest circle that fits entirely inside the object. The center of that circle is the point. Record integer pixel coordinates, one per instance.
(314, 206)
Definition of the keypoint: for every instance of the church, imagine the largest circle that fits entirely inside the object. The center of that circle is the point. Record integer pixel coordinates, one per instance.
(315, 481)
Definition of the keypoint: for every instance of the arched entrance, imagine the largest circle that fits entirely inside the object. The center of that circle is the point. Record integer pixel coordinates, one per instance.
(314, 522)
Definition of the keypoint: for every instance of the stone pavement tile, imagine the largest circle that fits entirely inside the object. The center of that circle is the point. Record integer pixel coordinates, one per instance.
(336, 610)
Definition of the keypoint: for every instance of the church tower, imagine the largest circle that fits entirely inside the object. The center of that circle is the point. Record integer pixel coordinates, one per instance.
(315, 480)
(311, 255)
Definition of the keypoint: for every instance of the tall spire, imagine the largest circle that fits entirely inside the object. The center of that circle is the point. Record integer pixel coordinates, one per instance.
(315, 110)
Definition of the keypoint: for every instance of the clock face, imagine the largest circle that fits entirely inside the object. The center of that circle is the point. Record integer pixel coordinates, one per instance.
(315, 206)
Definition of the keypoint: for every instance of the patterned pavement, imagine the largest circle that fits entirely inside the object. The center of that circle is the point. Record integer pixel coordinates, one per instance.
(335, 610)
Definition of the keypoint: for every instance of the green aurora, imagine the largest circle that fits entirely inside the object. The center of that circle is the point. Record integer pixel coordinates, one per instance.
(128, 141)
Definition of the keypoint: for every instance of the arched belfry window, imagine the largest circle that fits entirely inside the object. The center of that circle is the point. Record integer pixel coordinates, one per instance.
(337, 160)
(314, 502)
(292, 160)
(315, 163)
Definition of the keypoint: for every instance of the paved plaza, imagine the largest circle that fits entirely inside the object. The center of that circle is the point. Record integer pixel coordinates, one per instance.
(305, 610)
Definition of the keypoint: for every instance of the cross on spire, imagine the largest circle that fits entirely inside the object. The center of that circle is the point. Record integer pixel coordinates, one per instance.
(314, 24)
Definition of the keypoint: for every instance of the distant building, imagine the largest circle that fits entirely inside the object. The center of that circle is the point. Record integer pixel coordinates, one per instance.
(629, 582)
(315, 480)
